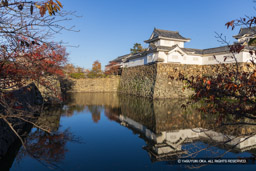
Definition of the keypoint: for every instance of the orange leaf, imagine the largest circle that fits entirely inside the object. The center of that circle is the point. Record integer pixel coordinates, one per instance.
(59, 3)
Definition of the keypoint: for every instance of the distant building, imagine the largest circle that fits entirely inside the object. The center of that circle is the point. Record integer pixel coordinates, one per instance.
(168, 47)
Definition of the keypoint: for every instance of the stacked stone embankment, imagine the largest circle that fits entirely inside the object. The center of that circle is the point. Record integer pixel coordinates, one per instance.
(155, 81)
(95, 84)
(159, 80)
(139, 81)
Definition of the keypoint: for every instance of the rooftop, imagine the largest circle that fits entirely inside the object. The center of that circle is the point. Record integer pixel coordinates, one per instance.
(120, 58)
(245, 31)
(158, 33)
(196, 51)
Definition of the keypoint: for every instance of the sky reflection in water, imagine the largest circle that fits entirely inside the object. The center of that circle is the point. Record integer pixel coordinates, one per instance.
(110, 132)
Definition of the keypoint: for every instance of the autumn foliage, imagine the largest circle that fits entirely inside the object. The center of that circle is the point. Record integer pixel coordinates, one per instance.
(96, 70)
(113, 68)
(50, 6)
(28, 54)
(229, 95)
(34, 65)
(96, 67)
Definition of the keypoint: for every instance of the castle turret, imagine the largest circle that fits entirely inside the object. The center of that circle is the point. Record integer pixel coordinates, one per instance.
(166, 38)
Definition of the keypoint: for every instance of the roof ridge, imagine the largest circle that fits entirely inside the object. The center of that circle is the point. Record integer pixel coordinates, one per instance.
(216, 47)
(166, 30)
(192, 48)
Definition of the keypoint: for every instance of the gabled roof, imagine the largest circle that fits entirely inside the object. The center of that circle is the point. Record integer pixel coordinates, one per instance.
(207, 51)
(120, 58)
(216, 50)
(210, 51)
(245, 31)
(192, 51)
(140, 54)
(166, 48)
(158, 33)
(196, 51)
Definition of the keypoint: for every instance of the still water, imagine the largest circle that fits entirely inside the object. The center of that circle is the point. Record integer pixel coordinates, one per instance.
(101, 131)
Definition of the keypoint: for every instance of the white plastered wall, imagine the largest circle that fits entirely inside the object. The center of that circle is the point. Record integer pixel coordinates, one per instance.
(175, 56)
(209, 59)
(171, 43)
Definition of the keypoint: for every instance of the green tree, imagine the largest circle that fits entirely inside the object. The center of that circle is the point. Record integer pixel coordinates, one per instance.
(137, 48)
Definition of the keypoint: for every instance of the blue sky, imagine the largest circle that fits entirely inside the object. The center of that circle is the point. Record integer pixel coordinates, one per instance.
(109, 28)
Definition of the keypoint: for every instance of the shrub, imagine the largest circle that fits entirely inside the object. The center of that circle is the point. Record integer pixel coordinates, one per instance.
(77, 75)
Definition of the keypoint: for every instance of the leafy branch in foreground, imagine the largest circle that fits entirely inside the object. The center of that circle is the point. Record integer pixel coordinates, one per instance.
(231, 90)
(27, 54)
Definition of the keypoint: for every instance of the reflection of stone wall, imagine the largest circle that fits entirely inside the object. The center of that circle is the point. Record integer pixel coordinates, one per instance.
(99, 99)
(50, 118)
(159, 80)
(171, 116)
(160, 115)
(138, 109)
(95, 84)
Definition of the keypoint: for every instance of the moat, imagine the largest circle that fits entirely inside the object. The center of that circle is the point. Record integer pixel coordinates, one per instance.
(104, 131)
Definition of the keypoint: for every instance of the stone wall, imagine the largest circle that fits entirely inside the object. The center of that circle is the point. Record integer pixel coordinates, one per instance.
(156, 81)
(51, 93)
(167, 86)
(95, 84)
(159, 80)
(139, 80)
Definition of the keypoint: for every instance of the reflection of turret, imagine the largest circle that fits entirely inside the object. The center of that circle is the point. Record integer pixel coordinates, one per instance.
(168, 144)
(166, 127)
(112, 113)
(157, 146)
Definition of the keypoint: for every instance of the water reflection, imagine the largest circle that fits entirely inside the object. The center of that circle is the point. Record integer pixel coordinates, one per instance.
(95, 111)
(172, 132)
(46, 148)
(168, 130)
(49, 149)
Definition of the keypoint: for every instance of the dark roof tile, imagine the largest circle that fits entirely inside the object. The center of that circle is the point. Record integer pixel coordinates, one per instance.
(243, 31)
(193, 51)
(167, 34)
(120, 58)
(207, 51)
